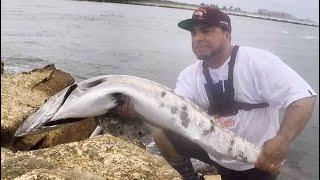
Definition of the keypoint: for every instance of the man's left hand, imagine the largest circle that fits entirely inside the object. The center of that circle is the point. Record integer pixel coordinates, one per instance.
(272, 154)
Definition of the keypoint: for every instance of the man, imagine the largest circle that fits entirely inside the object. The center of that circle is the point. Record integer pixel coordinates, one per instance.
(244, 88)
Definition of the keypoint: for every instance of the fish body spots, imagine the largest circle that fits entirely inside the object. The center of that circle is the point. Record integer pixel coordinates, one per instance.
(184, 108)
(231, 146)
(184, 116)
(161, 105)
(241, 157)
(245, 159)
(232, 142)
(174, 110)
(163, 94)
(208, 131)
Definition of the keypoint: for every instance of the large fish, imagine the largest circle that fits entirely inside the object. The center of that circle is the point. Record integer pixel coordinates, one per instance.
(159, 105)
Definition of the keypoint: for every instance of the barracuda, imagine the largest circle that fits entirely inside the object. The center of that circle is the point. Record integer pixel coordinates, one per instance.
(159, 105)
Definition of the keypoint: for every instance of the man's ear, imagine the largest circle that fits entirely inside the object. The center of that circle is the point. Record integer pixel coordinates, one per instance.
(228, 35)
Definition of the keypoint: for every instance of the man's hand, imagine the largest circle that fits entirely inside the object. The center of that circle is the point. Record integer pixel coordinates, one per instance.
(272, 154)
(296, 117)
(126, 108)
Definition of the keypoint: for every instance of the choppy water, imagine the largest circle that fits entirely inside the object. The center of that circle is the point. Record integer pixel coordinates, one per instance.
(91, 38)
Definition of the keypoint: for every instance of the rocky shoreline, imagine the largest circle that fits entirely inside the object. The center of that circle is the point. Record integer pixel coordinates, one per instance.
(168, 4)
(68, 152)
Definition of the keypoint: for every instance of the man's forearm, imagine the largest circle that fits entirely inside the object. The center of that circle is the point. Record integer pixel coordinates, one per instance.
(296, 117)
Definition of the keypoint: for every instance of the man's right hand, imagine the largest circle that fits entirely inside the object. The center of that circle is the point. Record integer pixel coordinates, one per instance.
(126, 109)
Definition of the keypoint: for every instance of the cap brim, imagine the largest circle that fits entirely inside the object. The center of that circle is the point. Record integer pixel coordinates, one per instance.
(189, 23)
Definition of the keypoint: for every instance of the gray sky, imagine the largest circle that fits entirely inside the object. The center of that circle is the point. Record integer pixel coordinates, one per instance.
(298, 8)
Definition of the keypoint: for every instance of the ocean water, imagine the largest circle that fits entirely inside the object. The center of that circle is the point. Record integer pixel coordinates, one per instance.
(88, 39)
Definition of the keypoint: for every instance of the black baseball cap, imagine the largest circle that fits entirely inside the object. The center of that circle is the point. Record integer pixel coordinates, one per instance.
(208, 15)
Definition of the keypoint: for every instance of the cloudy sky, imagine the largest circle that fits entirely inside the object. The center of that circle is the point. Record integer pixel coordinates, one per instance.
(298, 8)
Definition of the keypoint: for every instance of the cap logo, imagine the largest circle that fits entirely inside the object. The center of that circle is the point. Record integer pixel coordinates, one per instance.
(199, 13)
(223, 22)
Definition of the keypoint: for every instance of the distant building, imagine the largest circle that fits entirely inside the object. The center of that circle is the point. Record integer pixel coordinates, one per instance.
(263, 12)
(266, 12)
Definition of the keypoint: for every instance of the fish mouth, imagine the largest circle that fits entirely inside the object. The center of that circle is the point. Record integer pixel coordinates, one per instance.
(50, 125)
(62, 121)
(39, 120)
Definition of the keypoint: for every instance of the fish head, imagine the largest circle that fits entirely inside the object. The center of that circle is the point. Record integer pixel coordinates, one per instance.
(35, 122)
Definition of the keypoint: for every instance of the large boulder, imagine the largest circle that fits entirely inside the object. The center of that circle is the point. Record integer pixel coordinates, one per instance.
(101, 157)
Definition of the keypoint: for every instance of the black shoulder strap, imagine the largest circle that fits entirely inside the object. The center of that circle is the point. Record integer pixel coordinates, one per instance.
(209, 85)
(248, 107)
(231, 67)
(240, 105)
(206, 73)
(232, 62)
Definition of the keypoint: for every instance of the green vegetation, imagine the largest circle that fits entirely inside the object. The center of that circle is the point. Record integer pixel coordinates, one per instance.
(231, 8)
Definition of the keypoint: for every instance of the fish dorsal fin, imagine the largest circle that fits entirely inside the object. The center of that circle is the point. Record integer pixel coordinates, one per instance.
(92, 84)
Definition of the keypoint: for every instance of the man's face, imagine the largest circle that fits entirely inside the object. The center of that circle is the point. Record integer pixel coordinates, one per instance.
(208, 41)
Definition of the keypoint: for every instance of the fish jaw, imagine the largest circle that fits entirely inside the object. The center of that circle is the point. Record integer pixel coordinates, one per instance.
(34, 123)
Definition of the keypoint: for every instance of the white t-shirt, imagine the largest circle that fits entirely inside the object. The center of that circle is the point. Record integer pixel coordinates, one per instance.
(259, 77)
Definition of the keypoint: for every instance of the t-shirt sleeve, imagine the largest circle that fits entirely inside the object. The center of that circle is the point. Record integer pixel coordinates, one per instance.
(184, 85)
(277, 83)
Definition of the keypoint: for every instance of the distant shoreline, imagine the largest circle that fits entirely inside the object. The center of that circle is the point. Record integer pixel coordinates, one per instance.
(168, 4)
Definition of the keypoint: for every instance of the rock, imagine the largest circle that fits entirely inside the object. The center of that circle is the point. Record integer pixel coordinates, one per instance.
(17, 101)
(23, 164)
(102, 156)
(21, 94)
(68, 133)
(5, 153)
(58, 174)
(212, 177)
(55, 82)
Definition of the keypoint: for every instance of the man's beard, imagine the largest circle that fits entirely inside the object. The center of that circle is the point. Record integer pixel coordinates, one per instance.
(212, 54)
(205, 56)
